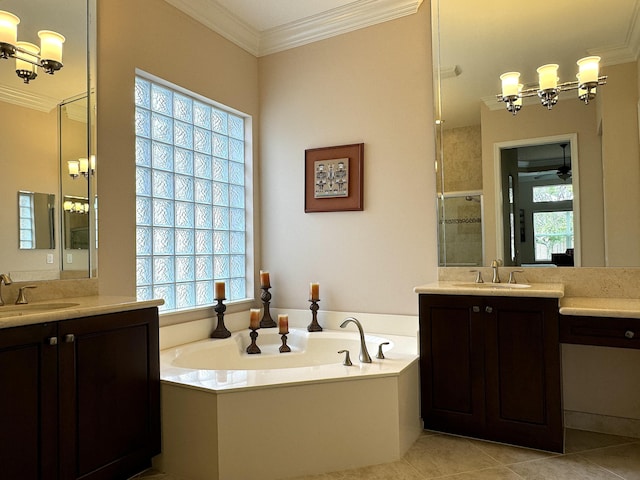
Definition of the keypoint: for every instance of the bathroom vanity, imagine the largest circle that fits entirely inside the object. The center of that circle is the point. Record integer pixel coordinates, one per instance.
(80, 390)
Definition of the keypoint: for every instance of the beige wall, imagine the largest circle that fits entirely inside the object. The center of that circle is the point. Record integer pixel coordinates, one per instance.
(621, 165)
(29, 162)
(153, 36)
(372, 86)
(534, 121)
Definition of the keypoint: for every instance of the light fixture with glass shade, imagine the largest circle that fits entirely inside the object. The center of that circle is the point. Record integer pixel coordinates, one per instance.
(29, 56)
(548, 88)
(82, 166)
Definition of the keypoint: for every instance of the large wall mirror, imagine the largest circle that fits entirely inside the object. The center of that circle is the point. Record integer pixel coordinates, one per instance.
(545, 187)
(46, 123)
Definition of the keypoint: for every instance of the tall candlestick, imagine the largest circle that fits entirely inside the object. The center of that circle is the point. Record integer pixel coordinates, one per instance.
(314, 291)
(219, 291)
(265, 282)
(283, 324)
(254, 321)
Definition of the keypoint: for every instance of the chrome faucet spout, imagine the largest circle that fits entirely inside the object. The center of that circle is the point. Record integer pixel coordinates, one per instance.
(364, 353)
(6, 279)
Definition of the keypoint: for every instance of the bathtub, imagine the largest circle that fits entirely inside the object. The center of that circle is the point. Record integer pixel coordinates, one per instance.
(231, 415)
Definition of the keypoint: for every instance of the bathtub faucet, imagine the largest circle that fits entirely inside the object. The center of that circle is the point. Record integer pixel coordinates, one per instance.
(364, 354)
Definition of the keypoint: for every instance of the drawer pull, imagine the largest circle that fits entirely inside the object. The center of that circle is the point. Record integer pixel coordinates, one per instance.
(52, 340)
(69, 338)
(629, 334)
(476, 309)
(488, 309)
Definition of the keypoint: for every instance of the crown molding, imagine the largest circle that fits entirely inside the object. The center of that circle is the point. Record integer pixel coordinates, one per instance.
(337, 21)
(356, 15)
(21, 98)
(221, 21)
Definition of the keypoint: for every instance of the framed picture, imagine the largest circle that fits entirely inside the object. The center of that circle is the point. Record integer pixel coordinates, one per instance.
(333, 178)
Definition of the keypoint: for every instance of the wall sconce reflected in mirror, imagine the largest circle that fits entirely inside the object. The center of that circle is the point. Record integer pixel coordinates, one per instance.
(82, 166)
(548, 87)
(71, 206)
(29, 56)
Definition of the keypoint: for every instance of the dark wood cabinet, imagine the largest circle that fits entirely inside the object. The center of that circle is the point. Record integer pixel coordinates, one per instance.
(81, 397)
(490, 368)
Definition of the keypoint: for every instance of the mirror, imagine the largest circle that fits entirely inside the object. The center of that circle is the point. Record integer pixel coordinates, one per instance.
(40, 121)
(474, 44)
(36, 220)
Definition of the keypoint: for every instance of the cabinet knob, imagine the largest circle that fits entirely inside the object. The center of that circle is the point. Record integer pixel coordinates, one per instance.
(488, 309)
(629, 334)
(52, 340)
(476, 309)
(69, 338)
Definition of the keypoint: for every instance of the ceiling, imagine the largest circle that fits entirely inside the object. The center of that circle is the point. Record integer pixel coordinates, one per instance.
(263, 27)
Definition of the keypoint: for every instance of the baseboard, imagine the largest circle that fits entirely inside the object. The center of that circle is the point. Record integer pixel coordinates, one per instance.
(626, 427)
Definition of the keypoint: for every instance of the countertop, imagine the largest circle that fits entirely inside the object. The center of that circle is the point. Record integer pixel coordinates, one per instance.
(546, 290)
(600, 307)
(68, 308)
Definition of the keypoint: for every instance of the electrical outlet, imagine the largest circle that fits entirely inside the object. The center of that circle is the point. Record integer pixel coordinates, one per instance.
(69, 257)
(49, 257)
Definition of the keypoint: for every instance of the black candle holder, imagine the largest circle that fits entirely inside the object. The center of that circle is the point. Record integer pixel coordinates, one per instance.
(253, 348)
(220, 331)
(267, 321)
(284, 347)
(314, 326)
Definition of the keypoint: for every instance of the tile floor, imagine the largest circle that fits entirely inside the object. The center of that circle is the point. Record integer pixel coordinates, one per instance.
(589, 456)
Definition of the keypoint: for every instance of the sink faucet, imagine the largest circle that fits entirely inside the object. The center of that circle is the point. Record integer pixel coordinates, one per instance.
(364, 354)
(6, 279)
(496, 276)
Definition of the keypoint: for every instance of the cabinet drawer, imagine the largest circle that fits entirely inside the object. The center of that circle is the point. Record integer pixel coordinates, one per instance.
(600, 331)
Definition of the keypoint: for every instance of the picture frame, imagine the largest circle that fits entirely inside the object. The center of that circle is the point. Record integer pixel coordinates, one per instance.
(334, 178)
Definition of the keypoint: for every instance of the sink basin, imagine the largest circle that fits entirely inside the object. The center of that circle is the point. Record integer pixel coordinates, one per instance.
(17, 310)
(493, 285)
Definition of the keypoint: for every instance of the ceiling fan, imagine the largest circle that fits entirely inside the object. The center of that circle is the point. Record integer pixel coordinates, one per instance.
(563, 172)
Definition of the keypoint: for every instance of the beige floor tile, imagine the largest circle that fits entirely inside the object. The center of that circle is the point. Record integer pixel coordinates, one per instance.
(581, 440)
(399, 470)
(566, 467)
(507, 454)
(438, 455)
(623, 460)
(499, 473)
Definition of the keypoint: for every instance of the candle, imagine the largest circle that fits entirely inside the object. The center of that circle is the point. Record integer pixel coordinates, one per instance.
(264, 279)
(283, 324)
(254, 319)
(219, 290)
(314, 291)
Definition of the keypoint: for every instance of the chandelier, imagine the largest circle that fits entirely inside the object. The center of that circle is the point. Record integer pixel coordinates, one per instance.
(28, 56)
(548, 88)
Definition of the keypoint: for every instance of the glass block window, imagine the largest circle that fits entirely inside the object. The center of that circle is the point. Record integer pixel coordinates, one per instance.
(26, 217)
(190, 198)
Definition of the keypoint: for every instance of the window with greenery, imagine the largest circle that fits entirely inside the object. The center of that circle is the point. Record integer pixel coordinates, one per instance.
(553, 233)
(190, 197)
(553, 193)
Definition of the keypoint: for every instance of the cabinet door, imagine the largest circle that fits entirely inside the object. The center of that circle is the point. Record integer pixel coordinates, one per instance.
(451, 363)
(522, 372)
(109, 395)
(28, 403)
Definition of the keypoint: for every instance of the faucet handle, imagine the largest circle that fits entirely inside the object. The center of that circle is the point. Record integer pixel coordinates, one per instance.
(22, 298)
(512, 278)
(478, 276)
(347, 359)
(380, 352)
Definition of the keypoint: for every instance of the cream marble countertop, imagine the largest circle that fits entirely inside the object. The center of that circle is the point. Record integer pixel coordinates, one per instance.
(600, 307)
(545, 290)
(68, 308)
